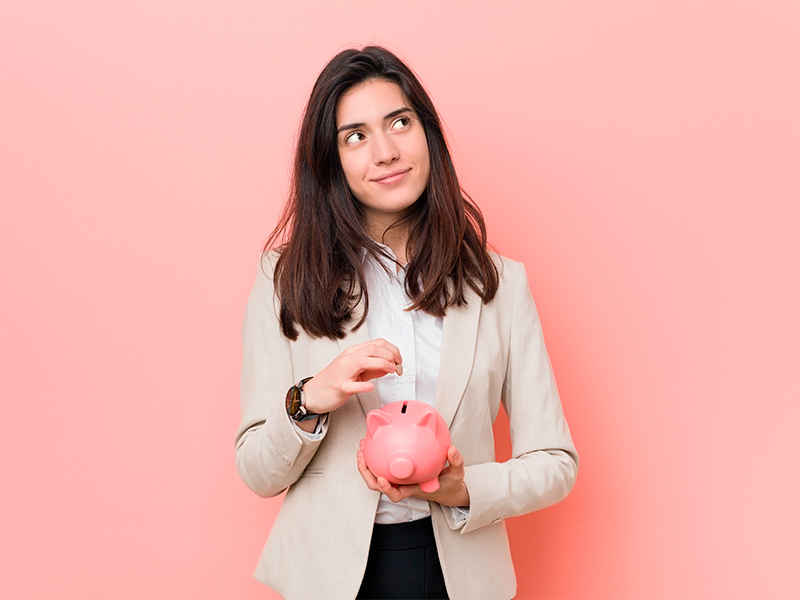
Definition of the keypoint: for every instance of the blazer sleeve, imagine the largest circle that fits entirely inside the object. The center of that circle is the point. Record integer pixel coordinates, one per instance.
(271, 451)
(544, 463)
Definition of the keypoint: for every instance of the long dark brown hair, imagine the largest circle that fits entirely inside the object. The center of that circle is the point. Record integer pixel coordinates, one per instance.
(319, 276)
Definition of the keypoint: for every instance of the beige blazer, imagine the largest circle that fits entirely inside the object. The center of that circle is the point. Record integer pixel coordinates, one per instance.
(320, 540)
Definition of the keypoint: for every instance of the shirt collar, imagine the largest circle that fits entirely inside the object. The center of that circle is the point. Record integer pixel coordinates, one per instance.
(384, 261)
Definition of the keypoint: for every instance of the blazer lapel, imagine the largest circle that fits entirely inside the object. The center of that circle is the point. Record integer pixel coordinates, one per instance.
(368, 400)
(459, 339)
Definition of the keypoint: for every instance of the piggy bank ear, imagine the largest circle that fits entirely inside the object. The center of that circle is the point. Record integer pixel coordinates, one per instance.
(377, 419)
(428, 420)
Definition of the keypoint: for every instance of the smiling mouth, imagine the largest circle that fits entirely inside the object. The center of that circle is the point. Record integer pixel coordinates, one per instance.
(392, 177)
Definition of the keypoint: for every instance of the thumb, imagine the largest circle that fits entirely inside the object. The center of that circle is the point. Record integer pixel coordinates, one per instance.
(454, 458)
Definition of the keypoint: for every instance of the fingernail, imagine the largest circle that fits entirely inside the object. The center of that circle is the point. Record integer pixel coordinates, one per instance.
(399, 369)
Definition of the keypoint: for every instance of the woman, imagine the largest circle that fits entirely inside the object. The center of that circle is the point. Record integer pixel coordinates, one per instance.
(383, 290)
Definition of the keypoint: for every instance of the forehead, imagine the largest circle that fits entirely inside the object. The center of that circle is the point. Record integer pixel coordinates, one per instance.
(369, 101)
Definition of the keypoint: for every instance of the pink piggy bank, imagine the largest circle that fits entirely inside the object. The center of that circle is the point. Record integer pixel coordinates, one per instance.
(407, 442)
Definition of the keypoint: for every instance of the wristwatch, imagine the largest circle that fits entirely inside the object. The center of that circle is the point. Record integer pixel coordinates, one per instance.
(296, 402)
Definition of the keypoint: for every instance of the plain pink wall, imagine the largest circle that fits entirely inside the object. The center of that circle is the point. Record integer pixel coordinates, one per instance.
(642, 158)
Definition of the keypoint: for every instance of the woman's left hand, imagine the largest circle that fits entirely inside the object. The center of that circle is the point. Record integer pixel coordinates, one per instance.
(452, 489)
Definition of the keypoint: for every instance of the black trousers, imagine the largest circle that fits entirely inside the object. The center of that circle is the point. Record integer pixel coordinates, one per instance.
(403, 563)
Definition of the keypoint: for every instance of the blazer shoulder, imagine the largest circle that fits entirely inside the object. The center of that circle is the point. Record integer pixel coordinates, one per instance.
(263, 291)
(509, 270)
(267, 261)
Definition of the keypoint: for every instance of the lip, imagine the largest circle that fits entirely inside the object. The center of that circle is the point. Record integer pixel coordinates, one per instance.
(392, 177)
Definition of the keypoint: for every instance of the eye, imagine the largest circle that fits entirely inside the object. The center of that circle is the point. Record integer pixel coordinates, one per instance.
(401, 123)
(354, 137)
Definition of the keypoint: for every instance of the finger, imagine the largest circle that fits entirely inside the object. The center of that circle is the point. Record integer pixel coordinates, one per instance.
(378, 348)
(366, 474)
(371, 375)
(394, 350)
(455, 459)
(393, 493)
(376, 364)
(362, 464)
(379, 351)
(357, 387)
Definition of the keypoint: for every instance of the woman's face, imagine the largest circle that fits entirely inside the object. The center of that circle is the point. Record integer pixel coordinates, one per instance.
(383, 150)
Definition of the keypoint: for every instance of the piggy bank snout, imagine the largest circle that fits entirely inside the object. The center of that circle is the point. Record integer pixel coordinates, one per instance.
(401, 466)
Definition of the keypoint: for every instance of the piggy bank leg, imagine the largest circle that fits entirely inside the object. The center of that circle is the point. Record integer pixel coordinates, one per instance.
(430, 486)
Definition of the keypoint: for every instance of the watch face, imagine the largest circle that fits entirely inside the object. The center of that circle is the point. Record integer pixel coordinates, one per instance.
(293, 401)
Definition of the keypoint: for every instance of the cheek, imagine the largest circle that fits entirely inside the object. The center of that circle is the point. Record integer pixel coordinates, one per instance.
(425, 161)
(350, 168)
(423, 156)
(354, 176)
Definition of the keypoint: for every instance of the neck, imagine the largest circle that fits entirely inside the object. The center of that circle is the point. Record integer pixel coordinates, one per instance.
(395, 237)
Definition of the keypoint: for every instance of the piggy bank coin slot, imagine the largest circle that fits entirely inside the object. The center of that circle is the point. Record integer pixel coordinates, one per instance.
(405, 406)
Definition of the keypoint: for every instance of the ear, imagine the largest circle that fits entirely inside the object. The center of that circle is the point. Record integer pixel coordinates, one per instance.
(377, 419)
(429, 421)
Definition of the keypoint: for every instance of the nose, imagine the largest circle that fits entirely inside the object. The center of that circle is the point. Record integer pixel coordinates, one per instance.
(384, 150)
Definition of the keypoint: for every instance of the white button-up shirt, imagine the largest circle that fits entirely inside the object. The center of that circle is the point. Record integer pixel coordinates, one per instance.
(418, 336)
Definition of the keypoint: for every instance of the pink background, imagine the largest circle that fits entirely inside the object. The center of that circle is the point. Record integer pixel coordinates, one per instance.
(642, 159)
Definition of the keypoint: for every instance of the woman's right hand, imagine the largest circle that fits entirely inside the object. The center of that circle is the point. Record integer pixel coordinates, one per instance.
(351, 373)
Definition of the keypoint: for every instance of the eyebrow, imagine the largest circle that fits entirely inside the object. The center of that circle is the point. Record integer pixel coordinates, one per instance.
(391, 115)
